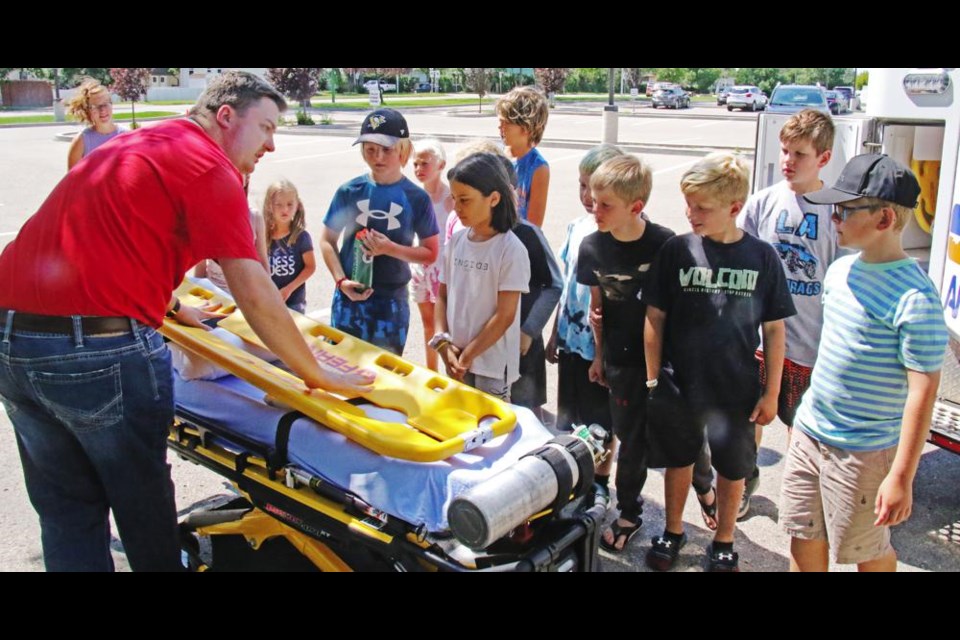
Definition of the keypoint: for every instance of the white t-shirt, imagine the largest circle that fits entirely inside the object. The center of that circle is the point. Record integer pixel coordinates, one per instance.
(806, 241)
(475, 272)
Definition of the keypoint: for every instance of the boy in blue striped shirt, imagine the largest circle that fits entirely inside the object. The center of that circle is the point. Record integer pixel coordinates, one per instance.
(860, 428)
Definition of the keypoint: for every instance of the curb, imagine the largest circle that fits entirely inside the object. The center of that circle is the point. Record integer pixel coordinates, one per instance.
(634, 147)
(80, 124)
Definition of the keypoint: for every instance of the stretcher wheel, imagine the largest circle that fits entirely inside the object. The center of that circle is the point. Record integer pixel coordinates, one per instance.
(190, 548)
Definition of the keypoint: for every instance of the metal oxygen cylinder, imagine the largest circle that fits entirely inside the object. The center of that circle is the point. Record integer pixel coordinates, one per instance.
(546, 477)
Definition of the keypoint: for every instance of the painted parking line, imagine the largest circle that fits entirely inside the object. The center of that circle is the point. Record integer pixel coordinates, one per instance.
(568, 157)
(300, 143)
(676, 166)
(315, 155)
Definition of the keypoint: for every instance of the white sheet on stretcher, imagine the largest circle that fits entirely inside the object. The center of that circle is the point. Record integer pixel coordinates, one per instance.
(417, 492)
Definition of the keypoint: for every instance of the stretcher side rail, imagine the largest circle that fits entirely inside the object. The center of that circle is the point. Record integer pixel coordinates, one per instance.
(274, 461)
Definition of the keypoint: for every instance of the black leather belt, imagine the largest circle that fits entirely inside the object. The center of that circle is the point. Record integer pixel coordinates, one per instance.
(91, 325)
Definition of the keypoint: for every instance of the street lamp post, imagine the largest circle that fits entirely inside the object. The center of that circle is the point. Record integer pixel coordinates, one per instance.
(610, 115)
(58, 112)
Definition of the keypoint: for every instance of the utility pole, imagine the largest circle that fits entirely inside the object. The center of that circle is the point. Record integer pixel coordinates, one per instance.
(610, 115)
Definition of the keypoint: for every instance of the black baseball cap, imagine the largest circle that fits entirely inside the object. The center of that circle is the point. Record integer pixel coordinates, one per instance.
(871, 175)
(384, 127)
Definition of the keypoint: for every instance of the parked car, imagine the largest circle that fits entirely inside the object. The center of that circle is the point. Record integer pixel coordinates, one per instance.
(371, 85)
(671, 97)
(746, 98)
(791, 98)
(853, 103)
(837, 102)
(722, 96)
(423, 87)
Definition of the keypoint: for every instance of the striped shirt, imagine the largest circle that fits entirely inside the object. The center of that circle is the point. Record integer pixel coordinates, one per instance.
(880, 319)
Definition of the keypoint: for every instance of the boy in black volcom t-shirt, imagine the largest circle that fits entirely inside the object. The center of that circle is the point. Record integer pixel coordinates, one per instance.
(708, 295)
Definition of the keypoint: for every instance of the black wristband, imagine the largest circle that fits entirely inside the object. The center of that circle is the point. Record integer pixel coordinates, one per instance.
(176, 307)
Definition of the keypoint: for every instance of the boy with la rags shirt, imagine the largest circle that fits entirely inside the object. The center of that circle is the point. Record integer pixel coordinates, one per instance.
(861, 427)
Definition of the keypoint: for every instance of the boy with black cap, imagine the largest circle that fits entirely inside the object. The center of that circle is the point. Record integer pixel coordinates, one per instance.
(391, 209)
(846, 480)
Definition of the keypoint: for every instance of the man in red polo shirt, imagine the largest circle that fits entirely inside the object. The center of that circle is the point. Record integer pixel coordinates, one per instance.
(85, 377)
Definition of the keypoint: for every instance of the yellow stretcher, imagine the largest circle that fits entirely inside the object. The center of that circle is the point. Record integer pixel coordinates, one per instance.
(443, 416)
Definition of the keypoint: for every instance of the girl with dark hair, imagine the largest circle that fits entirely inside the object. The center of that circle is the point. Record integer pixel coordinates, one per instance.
(485, 269)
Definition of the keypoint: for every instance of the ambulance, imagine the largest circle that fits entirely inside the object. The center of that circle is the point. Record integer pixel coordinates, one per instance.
(913, 116)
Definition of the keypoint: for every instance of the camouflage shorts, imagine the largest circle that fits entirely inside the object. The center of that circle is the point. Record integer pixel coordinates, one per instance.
(380, 320)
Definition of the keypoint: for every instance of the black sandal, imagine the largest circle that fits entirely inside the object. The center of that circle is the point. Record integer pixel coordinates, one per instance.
(619, 530)
(665, 551)
(723, 561)
(709, 511)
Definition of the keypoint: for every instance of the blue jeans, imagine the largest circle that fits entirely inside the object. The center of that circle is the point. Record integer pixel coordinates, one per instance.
(91, 416)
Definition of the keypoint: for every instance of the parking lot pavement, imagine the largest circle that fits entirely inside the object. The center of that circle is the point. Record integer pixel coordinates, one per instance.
(31, 163)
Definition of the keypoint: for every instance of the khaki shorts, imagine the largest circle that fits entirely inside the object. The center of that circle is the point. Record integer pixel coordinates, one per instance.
(829, 494)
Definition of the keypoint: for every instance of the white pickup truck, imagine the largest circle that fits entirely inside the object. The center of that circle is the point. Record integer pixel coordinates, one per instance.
(371, 85)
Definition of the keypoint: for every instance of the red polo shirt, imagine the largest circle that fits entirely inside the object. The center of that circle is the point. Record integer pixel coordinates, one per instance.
(119, 231)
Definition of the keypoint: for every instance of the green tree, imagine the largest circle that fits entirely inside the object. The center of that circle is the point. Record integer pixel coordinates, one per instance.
(704, 78)
(765, 78)
(72, 77)
(586, 79)
(862, 79)
(672, 74)
(834, 76)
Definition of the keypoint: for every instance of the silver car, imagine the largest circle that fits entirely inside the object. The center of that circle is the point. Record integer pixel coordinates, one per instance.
(746, 98)
(671, 97)
(791, 98)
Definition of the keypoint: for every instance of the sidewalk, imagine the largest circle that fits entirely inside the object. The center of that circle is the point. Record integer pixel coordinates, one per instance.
(467, 124)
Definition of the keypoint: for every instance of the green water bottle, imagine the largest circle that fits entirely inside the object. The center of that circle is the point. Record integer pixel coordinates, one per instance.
(362, 263)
